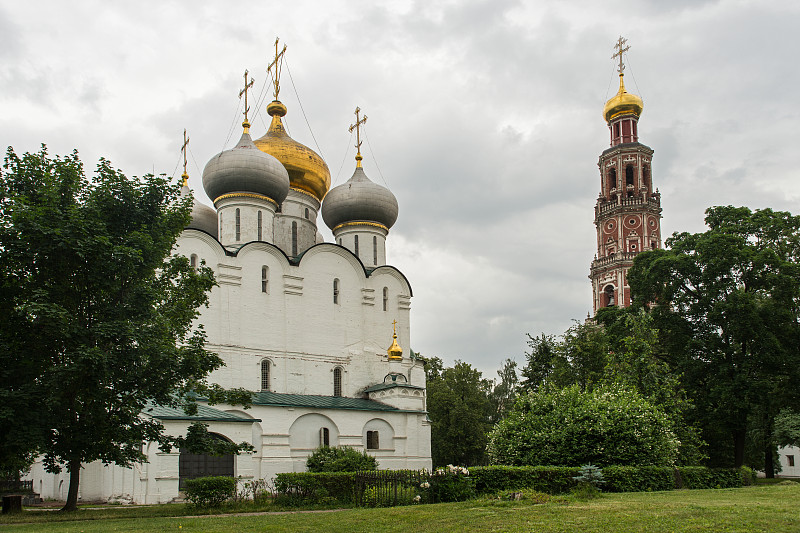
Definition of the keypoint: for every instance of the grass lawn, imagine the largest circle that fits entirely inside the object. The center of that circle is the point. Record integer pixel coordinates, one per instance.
(768, 508)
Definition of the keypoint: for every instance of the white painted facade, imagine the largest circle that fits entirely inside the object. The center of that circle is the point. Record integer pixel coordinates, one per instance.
(311, 312)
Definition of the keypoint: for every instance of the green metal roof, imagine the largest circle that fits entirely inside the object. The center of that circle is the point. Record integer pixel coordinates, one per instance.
(323, 402)
(391, 385)
(204, 414)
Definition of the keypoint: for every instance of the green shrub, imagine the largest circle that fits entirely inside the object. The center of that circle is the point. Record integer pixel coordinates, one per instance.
(303, 488)
(700, 477)
(547, 479)
(570, 427)
(340, 459)
(448, 484)
(210, 491)
(639, 478)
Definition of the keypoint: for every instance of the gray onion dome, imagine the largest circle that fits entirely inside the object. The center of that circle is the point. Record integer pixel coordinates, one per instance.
(245, 169)
(203, 217)
(359, 199)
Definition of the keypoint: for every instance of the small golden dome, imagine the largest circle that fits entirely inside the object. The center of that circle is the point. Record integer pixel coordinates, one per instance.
(395, 351)
(307, 171)
(623, 103)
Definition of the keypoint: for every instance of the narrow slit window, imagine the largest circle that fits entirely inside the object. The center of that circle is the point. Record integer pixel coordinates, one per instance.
(306, 213)
(294, 238)
(265, 279)
(374, 250)
(193, 261)
(337, 381)
(356, 247)
(265, 375)
(324, 437)
(238, 224)
(385, 298)
(336, 291)
(259, 227)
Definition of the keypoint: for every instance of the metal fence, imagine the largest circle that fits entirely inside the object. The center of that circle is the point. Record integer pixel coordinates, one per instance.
(385, 488)
(14, 485)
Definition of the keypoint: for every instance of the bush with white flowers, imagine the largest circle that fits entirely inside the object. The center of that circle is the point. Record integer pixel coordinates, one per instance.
(448, 484)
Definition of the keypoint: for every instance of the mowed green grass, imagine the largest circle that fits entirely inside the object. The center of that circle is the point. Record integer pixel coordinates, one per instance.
(773, 508)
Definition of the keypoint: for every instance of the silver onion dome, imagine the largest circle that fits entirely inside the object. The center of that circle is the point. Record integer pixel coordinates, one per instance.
(245, 169)
(203, 217)
(359, 199)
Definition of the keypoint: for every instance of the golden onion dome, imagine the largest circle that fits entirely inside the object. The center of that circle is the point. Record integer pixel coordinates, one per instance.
(623, 103)
(307, 171)
(395, 351)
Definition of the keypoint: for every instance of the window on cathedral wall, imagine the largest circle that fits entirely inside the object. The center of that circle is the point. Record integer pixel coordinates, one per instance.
(259, 226)
(238, 224)
(294, 238)
(612, 179)
(265, 279)
(336, 291)
(193, 261)
(220, 224)
(306, 213)
(337, 381)
(373, 440)
(356, 245)
(324, 437)
(616, 129)
(385, 298)
(374, 250)
(265, 371)
(790, 460)
(629, 175)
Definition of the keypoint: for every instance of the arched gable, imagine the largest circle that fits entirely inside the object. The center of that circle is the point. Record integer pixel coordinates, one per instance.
(395, 273)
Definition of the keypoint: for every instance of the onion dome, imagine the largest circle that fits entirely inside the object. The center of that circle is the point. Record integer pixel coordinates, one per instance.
(359, 200)
(307, 171)
(203, 217)
(395, 351)
(245, 169)
(623, 103)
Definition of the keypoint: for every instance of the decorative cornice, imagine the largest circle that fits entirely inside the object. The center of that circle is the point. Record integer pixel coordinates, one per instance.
(245, 195)
(361, 223)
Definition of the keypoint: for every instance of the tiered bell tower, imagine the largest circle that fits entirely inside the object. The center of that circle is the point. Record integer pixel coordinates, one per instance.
(628, 210)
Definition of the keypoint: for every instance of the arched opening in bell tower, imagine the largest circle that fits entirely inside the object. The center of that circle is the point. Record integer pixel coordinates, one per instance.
(609, 296)
(612, 179)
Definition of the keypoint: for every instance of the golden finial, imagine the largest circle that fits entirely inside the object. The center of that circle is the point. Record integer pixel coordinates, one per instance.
(395, 351)
(185, 174)
(357, 127)
(621, 49)
(276, 78)
(246, 123)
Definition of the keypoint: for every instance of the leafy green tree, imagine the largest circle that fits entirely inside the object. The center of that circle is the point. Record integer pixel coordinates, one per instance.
(340, 459)
(97, 314)
(727, 309)
(573, 427)
(459, 409)
(540, 362)
(504, 391)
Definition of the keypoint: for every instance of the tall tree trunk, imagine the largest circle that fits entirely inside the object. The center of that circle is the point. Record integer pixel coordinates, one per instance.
(769, 465)
(74, 478)
(738, 447)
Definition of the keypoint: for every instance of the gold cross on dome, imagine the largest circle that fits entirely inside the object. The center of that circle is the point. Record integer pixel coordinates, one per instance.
(357, 126)
(394, 327)
(246, 123)
(185, 175)
(621, 49)
(276, 77)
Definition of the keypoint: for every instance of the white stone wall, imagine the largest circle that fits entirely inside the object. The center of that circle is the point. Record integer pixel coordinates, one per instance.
(371, 242)
(249, 208)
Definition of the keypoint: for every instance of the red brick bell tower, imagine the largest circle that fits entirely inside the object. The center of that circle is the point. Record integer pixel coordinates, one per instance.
(628, 210)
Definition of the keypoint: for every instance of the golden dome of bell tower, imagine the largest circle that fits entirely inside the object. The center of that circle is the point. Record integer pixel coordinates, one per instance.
(308, 173)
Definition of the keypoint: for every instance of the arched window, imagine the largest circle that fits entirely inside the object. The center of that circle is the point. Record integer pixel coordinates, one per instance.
(612, 179)
(646, 176)
(324, 437)
(629, 175)
(356, 246)
(294, 238)
(265, 279)
(609, 292)
(385, 298)
(238, 224)
(193, 261)
(306, 213)
(340, 241)
(337, 381)
(336, 290)
(373, 442)
(374, 250)
(220, 223)
(259, 226)
(265, 375)
(616, 129)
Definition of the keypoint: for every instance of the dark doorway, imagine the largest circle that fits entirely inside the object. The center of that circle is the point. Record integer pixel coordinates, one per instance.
(192, 465)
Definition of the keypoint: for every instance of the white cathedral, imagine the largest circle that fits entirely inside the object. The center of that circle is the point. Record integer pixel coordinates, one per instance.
(302, 322)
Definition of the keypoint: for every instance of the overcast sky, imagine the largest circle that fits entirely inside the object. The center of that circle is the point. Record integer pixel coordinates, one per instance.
(484, 120)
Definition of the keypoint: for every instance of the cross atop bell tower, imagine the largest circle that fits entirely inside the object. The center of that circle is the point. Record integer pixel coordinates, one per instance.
(246, 123)
(357, 126)
(621, 49)
(276, 64)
